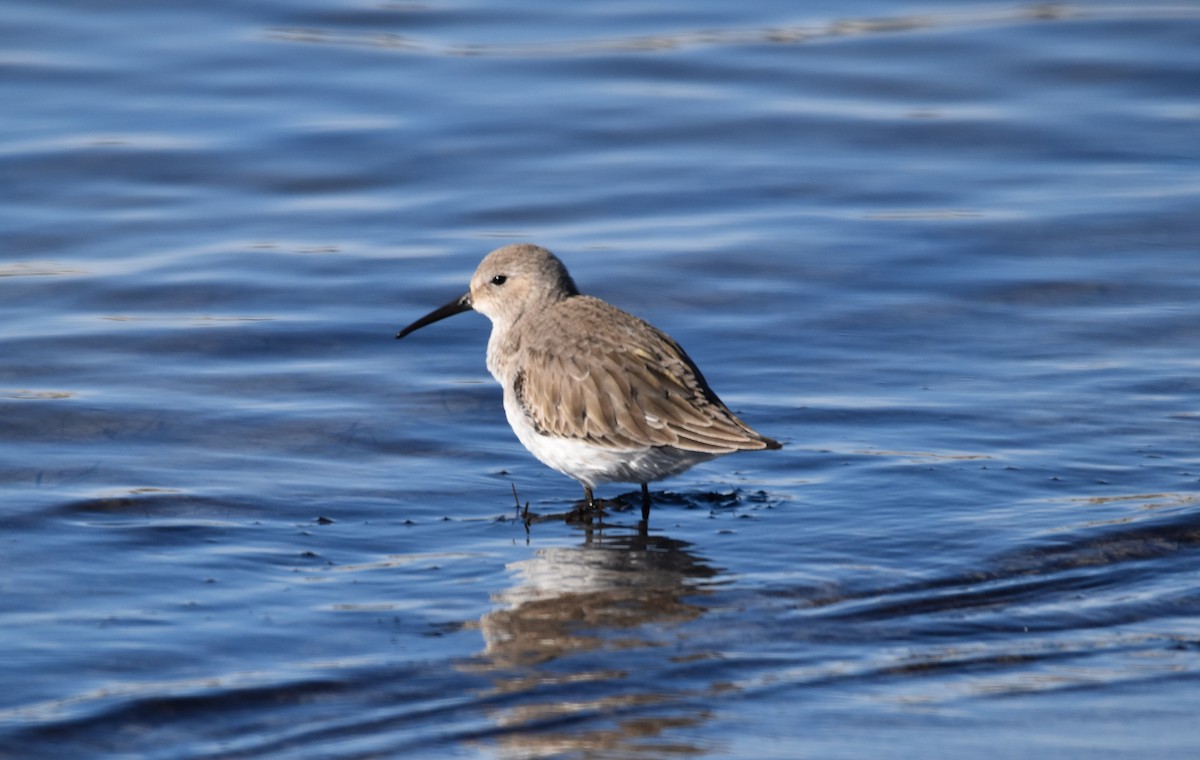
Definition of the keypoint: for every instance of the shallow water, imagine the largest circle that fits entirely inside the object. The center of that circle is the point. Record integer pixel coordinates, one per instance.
(945, 252)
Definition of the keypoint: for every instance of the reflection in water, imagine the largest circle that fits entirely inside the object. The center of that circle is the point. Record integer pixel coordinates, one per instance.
(610, 595)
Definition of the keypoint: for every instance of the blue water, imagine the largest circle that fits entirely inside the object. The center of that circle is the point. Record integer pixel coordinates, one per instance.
(946, 253)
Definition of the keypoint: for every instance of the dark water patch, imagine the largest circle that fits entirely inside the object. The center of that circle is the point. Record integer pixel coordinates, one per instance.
(1101, 605)
(1100, 553)
(157, 503)
(404, 703)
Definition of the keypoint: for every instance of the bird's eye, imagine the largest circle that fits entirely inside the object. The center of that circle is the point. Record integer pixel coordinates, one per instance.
(499, 279)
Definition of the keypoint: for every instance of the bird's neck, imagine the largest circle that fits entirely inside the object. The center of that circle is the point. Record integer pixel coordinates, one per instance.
(503, 346)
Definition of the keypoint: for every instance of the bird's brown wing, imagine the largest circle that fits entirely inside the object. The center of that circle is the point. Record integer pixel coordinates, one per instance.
(626, 386)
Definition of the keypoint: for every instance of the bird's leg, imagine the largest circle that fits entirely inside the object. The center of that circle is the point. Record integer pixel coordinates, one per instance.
(591, 507)
(588, 507)
(585, 510)
(596, 505)
(645, 507)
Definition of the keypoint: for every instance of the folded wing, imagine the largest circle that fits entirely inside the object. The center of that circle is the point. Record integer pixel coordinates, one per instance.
(627, 388)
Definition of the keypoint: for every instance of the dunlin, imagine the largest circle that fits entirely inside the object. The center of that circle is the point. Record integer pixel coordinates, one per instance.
(592, 391)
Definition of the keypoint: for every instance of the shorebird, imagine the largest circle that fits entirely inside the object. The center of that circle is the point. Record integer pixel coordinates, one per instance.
(592, 391)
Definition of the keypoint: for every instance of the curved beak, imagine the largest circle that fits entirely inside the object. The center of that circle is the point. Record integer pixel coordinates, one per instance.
(457, 306)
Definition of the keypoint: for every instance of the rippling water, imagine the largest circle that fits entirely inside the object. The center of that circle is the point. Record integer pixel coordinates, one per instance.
(947, 253)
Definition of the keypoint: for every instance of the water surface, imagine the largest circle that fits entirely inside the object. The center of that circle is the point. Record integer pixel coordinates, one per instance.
(945, 252)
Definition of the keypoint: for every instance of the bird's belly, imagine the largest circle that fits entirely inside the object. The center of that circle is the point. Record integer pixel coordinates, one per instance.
(591, 464)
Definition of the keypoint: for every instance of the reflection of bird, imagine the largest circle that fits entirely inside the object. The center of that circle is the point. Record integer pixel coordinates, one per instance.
(565, 597)
(570, 614)
(592, 391)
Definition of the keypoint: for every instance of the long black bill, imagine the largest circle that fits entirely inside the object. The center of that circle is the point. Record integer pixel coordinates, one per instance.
(457, 306)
